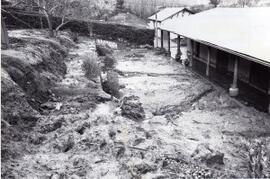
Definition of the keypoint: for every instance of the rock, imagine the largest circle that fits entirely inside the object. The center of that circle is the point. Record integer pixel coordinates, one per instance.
(102, 50)
(132, 108)
(112, 133)
(210, 157)
(51, 127)
(120, 152)
(69, 144)
(149, 47)
(48, 105)
(143, 168)
(138, 141)
(214, 158)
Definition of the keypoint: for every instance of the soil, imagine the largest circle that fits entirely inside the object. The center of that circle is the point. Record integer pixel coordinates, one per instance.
(189, 128)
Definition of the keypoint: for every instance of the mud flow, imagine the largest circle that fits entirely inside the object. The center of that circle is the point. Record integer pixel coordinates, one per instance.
(166, 123)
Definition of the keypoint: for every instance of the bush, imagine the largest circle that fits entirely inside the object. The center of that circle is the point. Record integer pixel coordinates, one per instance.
(103, 50)
(108, 63)
(111, 84)
(91, 67)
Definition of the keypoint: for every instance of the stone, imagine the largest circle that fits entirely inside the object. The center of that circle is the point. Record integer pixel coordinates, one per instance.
(205, 154)
(132, 108)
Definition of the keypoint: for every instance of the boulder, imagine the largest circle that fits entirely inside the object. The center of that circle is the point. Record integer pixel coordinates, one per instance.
(132, 108)
(205, 154)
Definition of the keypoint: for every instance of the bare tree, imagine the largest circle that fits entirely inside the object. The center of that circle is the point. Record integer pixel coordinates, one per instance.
(215, 3)
(247, 3)
(52, 8)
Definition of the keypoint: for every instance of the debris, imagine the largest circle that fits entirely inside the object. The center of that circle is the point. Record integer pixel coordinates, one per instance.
(204, 154)
(58, 106)
(138, 141)
(120, 152)
(69, 144)
(48, 105)
(132, 108)
(137, 148)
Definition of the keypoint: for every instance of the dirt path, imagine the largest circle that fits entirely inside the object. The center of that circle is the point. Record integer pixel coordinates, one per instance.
(83, 135)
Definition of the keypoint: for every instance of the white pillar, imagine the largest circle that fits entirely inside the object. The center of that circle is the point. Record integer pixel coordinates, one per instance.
(234, 91)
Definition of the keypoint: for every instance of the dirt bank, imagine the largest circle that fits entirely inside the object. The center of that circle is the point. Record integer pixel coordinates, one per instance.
(32, 65)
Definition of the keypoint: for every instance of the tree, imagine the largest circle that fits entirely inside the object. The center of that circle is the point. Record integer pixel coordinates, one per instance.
(215, 3)
(4, 35)
(51, 8)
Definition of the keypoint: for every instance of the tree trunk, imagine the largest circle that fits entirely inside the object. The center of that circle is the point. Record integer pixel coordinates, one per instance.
(48, 18)
(4, 35)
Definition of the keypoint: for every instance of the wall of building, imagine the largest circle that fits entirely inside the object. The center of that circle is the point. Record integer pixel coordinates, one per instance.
(253, 78)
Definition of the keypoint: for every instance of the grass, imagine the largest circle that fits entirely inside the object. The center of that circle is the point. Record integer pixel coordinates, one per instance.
(91, 67)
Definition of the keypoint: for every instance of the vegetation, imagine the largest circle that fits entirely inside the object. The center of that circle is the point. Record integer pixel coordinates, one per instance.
(91, 67)
(66, 9)
(215, 3)
(111, 84)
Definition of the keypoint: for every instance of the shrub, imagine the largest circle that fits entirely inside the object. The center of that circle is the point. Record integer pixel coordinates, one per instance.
(108, 62)
(91, 67)
(111, 84)
(103, 50)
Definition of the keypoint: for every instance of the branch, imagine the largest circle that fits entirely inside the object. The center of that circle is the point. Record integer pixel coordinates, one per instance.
(62, 23)
(17, 18)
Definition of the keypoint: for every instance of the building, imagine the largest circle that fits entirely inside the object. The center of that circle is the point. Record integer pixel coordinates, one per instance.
(165, 16)
(230, 46)
(168, 13)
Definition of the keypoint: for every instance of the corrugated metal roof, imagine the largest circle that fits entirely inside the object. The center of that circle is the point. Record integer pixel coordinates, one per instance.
(241, 30)
(166, 13)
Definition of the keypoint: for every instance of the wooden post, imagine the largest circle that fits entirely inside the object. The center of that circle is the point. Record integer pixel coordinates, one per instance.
(269, 93)
(178, 44)
(208, 60)
(156, 29)
(169, 44)
(178, 54)
(233, 91)
(161, 39)
(192, 53)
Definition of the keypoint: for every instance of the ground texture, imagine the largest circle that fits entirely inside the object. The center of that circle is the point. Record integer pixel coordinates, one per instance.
(169, 123)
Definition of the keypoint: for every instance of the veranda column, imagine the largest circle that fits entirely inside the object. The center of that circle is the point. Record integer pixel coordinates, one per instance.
(178, 54)
(169, 44)
(269, 94)
(191, 53)
(234, 91)
(208, 61)
(161, 39)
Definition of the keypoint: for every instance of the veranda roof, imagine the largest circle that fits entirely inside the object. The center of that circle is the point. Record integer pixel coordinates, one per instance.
(166, 13)
(241, 31)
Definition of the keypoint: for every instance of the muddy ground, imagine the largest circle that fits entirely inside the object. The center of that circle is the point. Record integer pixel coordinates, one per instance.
(191, 128)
